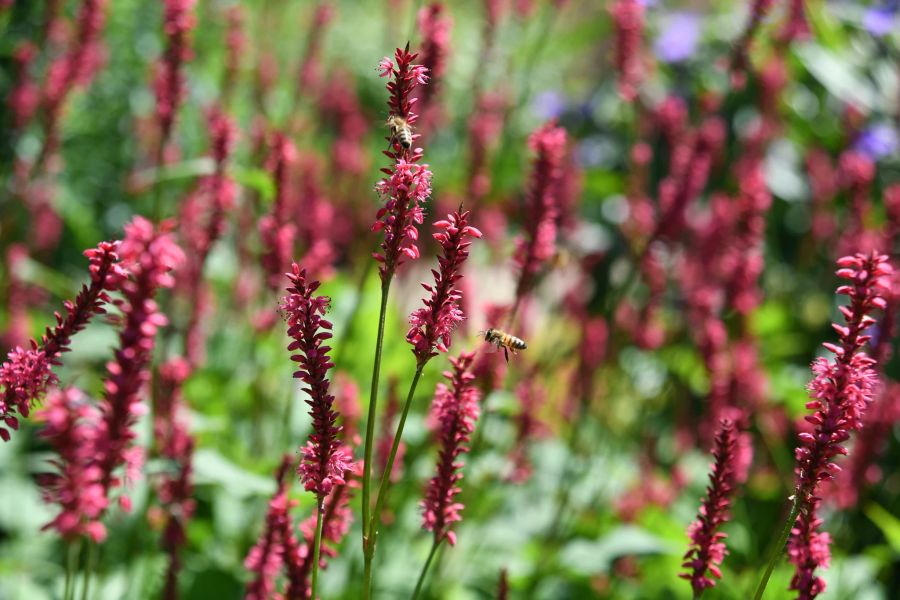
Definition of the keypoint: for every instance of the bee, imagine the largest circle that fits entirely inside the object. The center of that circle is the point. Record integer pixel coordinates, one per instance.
(504, 340)
(401, 132)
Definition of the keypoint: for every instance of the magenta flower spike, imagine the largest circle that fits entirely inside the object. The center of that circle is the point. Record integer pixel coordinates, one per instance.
(431, 325)
(150, 254)
(407, 183)
(72, 426)
(628, 19)
(841, 390)
(707, 549)
(455, 410)
(266, 557)
(26, 375)
(538, 244)
(170, 82)
(325, 459)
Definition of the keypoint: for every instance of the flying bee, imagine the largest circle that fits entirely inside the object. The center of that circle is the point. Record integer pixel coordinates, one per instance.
(401, 132)
(504, 340)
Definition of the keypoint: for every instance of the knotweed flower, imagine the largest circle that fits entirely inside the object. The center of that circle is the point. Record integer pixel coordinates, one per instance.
(170, 82)
(840, 391)
(797, 25)
(336, 520)
(276, 230)
(175, 443)
(739, 58)
(26, 375)
(455, 409)
(76, 66)
(324, 459)
(485, 125)
(628, 18)
(531, 395)
(407, 184)
(435, 27)
(432, 324)
(266, 557)
(202, 224)
(309, 74)
(541, 206)
(235, 42)
(707, 549)
(25, 95)
(150, 254)
(72, 427)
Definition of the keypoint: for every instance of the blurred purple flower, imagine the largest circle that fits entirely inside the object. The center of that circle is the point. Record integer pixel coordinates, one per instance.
(549, 104)
(881, 20)
(877, 141)
(678, 40)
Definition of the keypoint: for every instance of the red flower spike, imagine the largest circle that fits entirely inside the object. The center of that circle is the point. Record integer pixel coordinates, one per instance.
(407, 184)
(538, 244)
(707, 548)
(27, 374)
(170, 83)
(149, 254)
(325, 460)
(432, 324)
(266, 557)
(455, 410)
(72, 427)
(841, 391)
(628, 19)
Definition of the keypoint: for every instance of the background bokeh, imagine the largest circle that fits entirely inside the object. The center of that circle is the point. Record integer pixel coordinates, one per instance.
(634, 475)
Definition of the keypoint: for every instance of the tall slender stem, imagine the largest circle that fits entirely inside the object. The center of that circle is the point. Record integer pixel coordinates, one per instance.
(777, 549)
(88, 569)
(434, 547)
(385, 486)
(370, 436)
(317, 543)
(73, 552)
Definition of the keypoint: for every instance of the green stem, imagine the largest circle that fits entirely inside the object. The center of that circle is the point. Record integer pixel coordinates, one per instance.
(434, 547)
(317, 544)
(73, 552)
(385, 486)
(88, 569)
(370, 436)
(777, 549)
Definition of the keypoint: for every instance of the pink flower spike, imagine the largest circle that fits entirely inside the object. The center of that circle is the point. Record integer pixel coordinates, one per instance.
(707, 549)
(266, 558)
(455, 410)
(149, 254)
(431, 325)
(72, 427)
(538, 244)
(27, 375)
(841, 390)
(325, 460)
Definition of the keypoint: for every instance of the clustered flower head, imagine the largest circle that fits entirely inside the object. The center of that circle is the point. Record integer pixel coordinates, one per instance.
(407, 184)
(431, 325)
(325, 460)
(541, 209)
(337, 517)
(27, 374)
(149, 254)
(72, 427)
(176, 486)
(170, 82)
(841, 390)
(455, 410)
(267, 556)
(277, 232)
(628, 18)
(435, 26)
(707, 549)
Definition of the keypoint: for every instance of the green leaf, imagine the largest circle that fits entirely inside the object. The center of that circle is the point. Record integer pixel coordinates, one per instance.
(887, 523)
